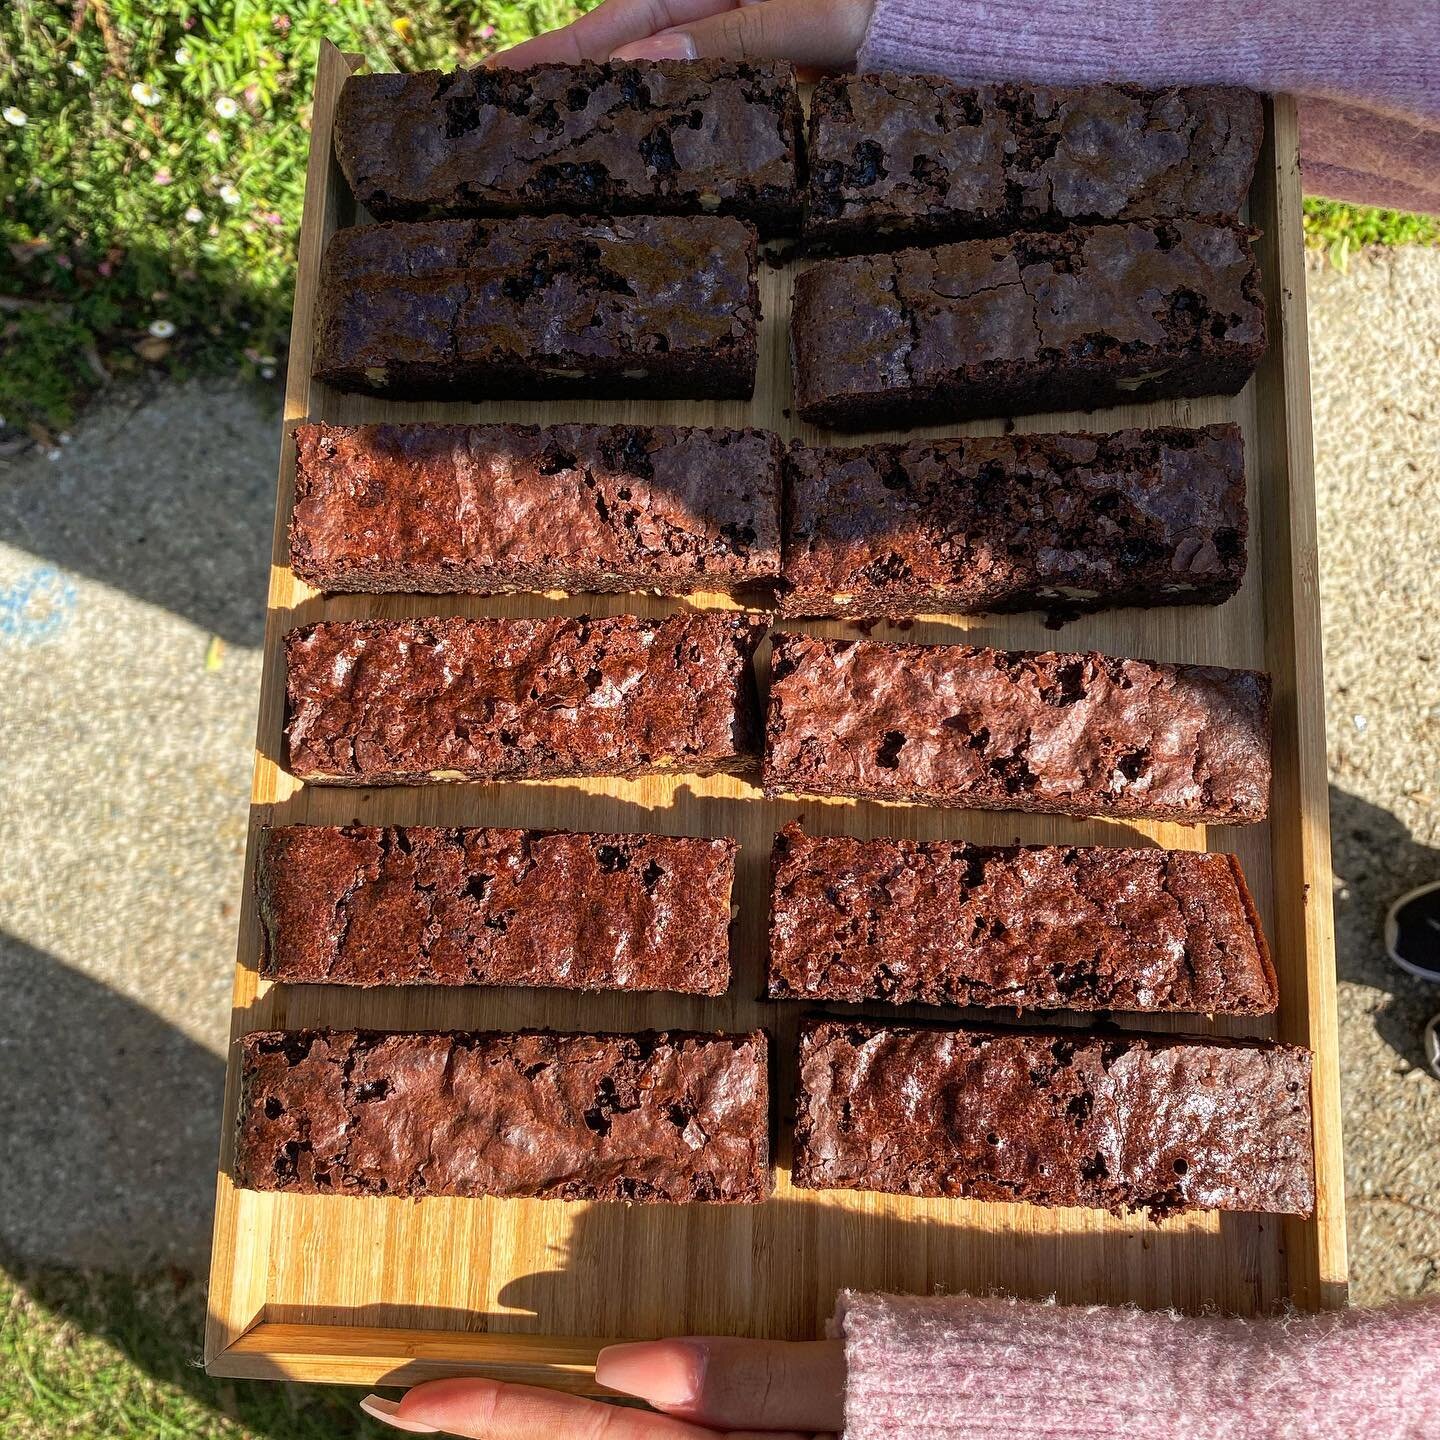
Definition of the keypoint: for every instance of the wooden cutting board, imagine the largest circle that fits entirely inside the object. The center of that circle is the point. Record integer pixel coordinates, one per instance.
(368, 1290)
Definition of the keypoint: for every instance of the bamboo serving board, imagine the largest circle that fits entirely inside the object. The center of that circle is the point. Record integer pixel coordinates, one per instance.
(368, 1290)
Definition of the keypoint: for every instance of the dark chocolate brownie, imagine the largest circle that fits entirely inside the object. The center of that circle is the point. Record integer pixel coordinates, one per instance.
(417, 905)
(1069, 734)
(1058, 522)
(914, 159)
(1031, 927)
(655, 1116)
(647, 306)
(668, 137)
(1107, 315)
(1118, 1122)
(491, 508)
(396, 702)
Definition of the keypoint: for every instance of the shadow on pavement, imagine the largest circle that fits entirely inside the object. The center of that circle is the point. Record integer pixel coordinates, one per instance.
(1375, 858)
(109, 1116)
(169, 497)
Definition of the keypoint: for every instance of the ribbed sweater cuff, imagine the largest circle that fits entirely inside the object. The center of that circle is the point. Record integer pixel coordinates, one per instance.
(958, 1368)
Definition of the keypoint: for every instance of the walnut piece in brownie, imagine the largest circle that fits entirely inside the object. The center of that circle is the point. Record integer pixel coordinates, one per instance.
(666, 137)
(917, 159)
(967, 726)
(487, 509)
(656, 1116)
(395, 702)
(421, 905)
(648, 306)
(1117, 1122)
(1029, 927)
(1105, 315)
(1065, 523)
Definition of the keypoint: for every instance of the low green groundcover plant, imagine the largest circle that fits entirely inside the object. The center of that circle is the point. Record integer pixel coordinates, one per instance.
(152, 159)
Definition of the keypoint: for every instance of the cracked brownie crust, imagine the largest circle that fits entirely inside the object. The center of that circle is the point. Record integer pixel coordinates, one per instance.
(1030, 927)
(682, 137)
(1114, 1122)
(494, 508)
(1111, 314)
(654, 1116)
(420, 905)
(648, 306)
(915, 159)
(1058, 522)
(393, 702)
(967, 726)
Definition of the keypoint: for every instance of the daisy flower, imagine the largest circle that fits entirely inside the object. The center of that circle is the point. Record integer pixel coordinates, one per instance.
(227, 108)
(76, 68)
(194, 214)
(144, 94)
(162, 329)
(229, 194)
(14, 115)
(182, 56)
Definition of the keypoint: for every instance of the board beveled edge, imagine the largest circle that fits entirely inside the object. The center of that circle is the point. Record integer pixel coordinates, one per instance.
(1315, 1249)
(375, 1355)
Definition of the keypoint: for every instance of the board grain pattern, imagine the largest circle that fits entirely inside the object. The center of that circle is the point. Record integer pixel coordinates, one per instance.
(373, 1290)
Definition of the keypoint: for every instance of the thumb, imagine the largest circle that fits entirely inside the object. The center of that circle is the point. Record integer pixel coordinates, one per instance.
(824, 34)
(734, 1384)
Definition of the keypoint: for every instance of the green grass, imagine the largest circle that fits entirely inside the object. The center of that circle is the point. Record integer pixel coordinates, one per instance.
(1339, 230)
(87, 1357)
(161, 236)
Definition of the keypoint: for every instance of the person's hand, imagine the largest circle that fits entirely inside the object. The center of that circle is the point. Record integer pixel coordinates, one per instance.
(742, 1387)
(815, 34)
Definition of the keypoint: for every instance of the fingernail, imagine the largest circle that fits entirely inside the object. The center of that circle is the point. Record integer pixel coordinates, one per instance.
(664, 1372)
(667, 45)
(387, 1412)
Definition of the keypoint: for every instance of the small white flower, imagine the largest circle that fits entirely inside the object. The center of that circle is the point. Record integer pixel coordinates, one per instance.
(162, 329)
(227, 108)
(14, 115)
(182, 56)
(76, 68)
(194, 214)
(269, 360)
(145, 94)
(229, 194)
(267, 372)
(213, 137)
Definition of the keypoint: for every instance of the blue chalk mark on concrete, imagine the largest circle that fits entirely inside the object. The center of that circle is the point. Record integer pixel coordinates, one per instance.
(37, 606)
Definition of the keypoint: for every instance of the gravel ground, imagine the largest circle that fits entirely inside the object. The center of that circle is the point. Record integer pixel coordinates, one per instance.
(132, 573)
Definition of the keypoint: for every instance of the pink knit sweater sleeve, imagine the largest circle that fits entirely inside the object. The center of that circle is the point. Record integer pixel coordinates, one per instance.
(1367, 75)
(956, 1368)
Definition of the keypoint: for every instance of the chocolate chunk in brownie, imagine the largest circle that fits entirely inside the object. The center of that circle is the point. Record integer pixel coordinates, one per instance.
(494, 508)
(393, 702)
(648, 137)
(647, 306)
(1117, 1122)
(654, 1116)
(1103, 315)
(421, 905)
(916, 159)
(967, 726)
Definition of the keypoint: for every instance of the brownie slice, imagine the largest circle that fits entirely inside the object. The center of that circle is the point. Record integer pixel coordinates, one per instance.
(915, 159)
(666, 137)
(494, 508)
(396, 702)
(657, 1116)
(1117, 1122)
(1032, 927)
(1100, 316)
(419, 905)
(1064, 523)
(647, 306)
(975, 728)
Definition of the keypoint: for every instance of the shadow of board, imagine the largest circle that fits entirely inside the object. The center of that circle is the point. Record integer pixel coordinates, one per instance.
(1376, 859)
